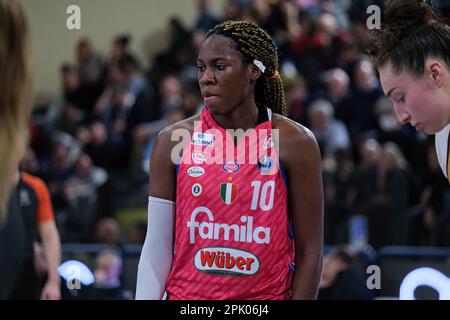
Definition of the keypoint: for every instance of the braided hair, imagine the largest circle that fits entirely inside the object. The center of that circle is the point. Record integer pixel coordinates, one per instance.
(254, 43)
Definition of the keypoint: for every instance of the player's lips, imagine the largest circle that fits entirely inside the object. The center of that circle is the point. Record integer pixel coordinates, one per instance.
(417, 126)
(209, 97)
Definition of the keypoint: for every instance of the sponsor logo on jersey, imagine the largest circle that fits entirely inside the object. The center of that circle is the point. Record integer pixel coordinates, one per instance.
(195, 172)
(208, 229)
(197, 189)
(202, 139)
(198, 157)
(268, 143)
(226, 261)
(265, 164)
(231, 166)
(228, 192)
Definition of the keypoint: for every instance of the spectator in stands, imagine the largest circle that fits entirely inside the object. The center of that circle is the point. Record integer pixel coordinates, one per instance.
(170, 92)
(341, 279)
(233, 10)
(90, 64)
(392, 194)
(337, 84)
(338, 182)
(379, 192)
(71, 104)
(119, 47)
(179, 42)
(331, 134)
(57, 173)
(82, 195)
(91, 69)
(107, 231)
(107, 273)
(296, 101)
(366, 93)
(205, 19)
(106, 150)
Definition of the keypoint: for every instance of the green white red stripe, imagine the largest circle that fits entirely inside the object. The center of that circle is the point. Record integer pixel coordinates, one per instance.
(228, 192)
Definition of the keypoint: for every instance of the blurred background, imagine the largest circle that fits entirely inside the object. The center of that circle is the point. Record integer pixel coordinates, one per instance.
(103, 92)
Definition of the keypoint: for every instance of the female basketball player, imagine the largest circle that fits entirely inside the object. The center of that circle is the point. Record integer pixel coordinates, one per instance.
(15, 76)
(15, 79)
(412, 53)
(235, 222)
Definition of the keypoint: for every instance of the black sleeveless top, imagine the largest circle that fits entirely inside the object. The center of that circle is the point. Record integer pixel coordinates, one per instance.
(12, 247)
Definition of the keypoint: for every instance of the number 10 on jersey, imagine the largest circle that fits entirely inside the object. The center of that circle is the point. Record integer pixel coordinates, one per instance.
(263, 195)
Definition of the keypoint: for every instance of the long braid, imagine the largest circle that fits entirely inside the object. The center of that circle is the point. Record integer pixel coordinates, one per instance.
(254, 43)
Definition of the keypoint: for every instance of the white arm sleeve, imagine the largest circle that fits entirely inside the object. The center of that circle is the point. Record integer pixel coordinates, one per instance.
(157, 252)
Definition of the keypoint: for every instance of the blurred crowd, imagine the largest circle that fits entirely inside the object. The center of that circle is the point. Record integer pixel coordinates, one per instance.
(92, 143)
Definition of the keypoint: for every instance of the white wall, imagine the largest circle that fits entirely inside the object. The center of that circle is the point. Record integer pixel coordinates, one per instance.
(101, 21)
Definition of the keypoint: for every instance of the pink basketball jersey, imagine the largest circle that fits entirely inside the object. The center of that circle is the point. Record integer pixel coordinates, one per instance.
(232, 234)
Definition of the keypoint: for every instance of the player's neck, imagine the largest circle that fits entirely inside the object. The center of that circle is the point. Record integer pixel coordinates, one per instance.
(243, 117)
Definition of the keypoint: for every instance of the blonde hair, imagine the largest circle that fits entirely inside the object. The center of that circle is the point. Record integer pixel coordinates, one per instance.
(15, 84)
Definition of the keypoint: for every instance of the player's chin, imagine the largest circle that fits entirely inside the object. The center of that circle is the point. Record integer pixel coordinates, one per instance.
(428, 129)
(216, 109)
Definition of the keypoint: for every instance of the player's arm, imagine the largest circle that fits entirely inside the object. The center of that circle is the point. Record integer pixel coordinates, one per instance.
(50, 239)
(305, 197)
(157, 252)
(52, 248)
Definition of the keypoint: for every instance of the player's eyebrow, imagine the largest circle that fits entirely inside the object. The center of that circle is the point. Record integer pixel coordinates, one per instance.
(216, 59)
(390, 92)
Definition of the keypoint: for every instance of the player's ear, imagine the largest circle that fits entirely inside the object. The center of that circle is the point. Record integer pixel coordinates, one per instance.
(255, 72)
(436, 70)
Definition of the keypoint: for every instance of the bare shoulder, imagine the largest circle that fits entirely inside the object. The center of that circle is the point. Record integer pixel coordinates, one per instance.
(165, 155)
(171, 138)
(185, 124)
(171, 135)
(297, 146)
(292, 134)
